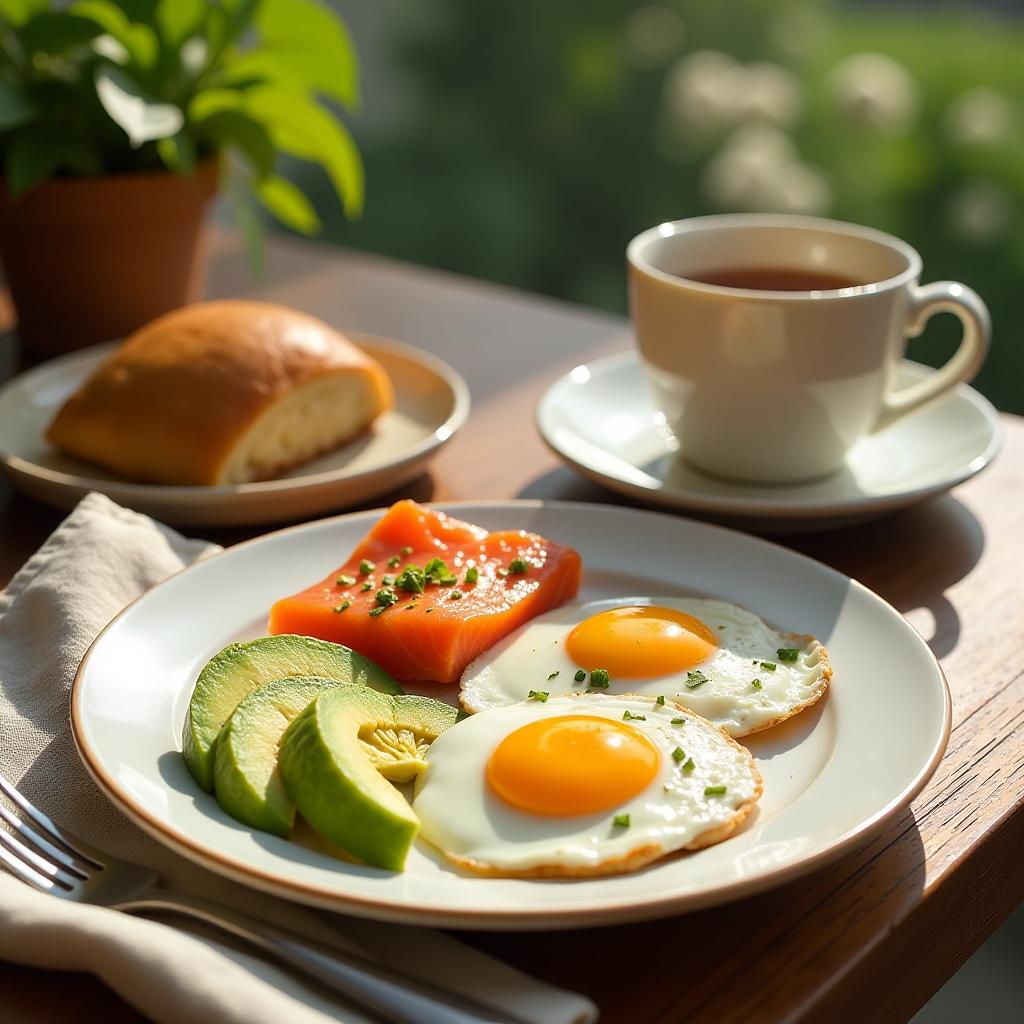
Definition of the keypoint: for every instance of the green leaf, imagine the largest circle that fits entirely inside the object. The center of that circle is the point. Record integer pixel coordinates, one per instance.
(139, 40)
(56, 31)
(142, 117)
(288, 204)
(15, 107)
(39, 151)
(178, 152)
(302, 43)
(178, 19)
(31, 159)
(232, 128)
(300, 126)
(211, 101)
(17, 12)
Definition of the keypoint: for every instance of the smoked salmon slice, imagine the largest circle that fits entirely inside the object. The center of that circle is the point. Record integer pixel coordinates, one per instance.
(423, 594)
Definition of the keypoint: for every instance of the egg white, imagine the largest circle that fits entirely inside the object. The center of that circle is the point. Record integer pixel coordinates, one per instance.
(478, 831)
(529, 658)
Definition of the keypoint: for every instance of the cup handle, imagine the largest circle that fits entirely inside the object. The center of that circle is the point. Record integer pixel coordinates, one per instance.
(925, 302)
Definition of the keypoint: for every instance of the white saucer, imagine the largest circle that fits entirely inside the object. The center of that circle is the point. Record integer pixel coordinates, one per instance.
(600, 419)
(431, 403)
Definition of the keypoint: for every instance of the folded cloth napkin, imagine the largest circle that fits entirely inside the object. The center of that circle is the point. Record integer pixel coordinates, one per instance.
(99, 559)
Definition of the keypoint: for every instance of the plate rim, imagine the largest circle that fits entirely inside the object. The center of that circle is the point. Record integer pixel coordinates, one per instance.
(761, 505)
(129, 490)
(601, 912)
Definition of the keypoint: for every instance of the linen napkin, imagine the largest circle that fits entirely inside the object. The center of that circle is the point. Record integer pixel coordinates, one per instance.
(99, 559)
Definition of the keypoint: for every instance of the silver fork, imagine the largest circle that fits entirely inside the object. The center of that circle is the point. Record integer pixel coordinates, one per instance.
(52, 860)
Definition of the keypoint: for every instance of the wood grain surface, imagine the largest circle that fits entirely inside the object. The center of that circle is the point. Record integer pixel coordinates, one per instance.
(870, 937)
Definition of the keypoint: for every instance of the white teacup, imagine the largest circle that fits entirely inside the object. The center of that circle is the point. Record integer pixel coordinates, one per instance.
(775, 386)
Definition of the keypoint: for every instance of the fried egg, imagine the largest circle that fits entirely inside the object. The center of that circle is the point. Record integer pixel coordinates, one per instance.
(713, 657)
(582, 784)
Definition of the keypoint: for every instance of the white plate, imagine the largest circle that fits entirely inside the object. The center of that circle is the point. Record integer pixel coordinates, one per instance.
(431, 403)
(832, 775)
(600, 418)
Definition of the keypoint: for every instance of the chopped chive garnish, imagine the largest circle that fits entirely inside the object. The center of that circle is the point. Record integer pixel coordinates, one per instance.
(678, 721)
(341, 607)
(714, 790)
(519, 566)
(628, 716)
(411, 580)
(787, 653)
(386, 597)
(472, 574)
(428, 611)
(344, 580)
(621, 821)
(412, 604)
(407, 550)
(366, 586)
(387, 580)
(756, 684)
(689, 766)
(455, 595)
(678, 755)
(553, 675)
(366, 566)
(580, 675)
(540, 695)
(374, 612)
(661, 699)
(695, 679)
(769, 666)
(600, 678)
(394, 561)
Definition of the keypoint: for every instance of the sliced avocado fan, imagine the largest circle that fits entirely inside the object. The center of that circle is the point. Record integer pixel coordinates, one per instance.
(243, 667)
(246, 779)
(337, 755)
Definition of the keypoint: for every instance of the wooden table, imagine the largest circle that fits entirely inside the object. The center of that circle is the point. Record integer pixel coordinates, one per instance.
(868, 938)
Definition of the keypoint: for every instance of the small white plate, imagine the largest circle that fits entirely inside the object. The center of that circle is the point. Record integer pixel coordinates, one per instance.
(600, 418)
(431, 403)
(833, 775)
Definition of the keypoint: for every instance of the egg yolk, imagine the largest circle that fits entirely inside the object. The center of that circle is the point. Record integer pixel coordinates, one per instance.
(571, 765)
(640, 641)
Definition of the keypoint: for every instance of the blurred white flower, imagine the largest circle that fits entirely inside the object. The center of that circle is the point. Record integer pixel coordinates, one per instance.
(759, 169)
(875, 91)
(703, 90)
(979, 212)
(981, 116)
(800, 188)
(768, 91)
(653, 35)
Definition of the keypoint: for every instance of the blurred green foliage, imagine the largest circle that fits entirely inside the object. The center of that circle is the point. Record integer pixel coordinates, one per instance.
(541, 136)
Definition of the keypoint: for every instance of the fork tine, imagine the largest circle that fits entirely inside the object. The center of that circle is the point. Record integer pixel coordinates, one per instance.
(15, 848)
(21, 870)
(54, 853)
(48, 826)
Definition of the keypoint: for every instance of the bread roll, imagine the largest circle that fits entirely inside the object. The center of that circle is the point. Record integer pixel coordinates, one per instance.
(222, 393)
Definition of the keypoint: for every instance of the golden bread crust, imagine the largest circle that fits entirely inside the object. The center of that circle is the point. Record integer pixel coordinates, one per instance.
(170, 404)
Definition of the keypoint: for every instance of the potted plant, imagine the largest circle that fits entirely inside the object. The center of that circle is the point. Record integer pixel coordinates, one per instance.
(119, 121)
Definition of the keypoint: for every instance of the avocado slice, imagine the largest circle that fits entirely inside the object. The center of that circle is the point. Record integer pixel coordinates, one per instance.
(241, 668)
(245, 774)
(336, 758)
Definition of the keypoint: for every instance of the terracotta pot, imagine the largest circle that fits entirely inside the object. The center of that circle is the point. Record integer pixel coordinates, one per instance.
(90, 259)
